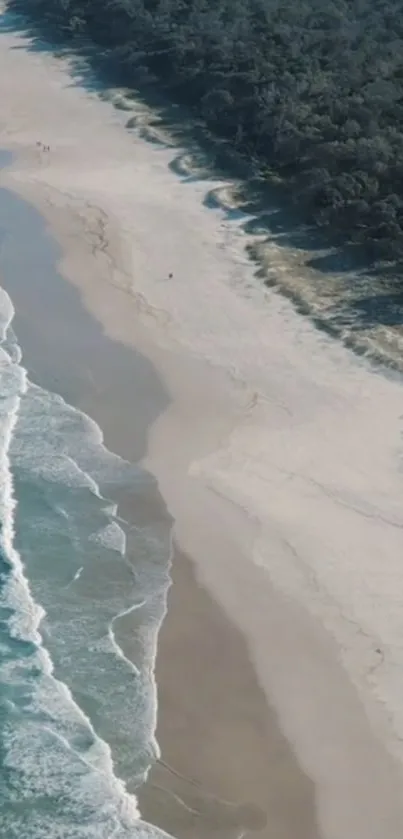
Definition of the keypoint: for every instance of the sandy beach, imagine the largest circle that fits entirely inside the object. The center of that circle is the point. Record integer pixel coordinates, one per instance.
(276, 453)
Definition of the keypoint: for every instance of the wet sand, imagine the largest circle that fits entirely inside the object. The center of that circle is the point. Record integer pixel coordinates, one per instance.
(226, 767)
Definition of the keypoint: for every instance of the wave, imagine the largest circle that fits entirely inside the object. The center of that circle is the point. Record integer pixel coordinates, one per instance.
(59, 774)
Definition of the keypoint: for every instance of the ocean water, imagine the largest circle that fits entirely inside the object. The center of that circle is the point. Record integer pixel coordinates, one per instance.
(77, 717)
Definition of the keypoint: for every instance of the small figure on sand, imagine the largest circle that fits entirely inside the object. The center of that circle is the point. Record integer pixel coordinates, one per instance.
(170, 275)
(42, 146)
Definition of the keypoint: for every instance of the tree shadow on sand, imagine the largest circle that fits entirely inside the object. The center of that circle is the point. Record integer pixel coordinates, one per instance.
(256, 200)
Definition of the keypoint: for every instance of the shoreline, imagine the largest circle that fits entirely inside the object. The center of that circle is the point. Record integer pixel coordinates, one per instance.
(265, 480)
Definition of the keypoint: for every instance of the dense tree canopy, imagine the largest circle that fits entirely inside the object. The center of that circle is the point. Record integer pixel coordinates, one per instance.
(312, 89)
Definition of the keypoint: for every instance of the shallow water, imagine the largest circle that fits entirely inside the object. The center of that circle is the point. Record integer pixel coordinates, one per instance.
(77, 716)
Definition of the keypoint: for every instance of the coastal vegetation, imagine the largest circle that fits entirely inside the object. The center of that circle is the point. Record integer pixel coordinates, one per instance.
(309, 90)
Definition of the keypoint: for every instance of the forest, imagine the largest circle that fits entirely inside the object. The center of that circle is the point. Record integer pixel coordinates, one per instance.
(311, 90)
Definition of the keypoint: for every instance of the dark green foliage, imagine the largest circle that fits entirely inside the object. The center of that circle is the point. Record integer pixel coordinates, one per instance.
(312, 89)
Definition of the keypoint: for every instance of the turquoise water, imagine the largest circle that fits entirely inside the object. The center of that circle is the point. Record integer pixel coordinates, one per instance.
(77, 717)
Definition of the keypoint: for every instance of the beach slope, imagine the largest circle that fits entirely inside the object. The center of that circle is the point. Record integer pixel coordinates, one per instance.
(277, 454)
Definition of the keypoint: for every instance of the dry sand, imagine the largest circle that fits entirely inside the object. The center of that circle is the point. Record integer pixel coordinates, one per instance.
(278, 458)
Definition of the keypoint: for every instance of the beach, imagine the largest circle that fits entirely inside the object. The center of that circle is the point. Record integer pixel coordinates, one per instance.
(271, 472)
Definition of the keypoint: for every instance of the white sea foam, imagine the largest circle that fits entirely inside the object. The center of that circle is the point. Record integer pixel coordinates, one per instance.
(6, 313)
(112, 537)
(51, 750)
